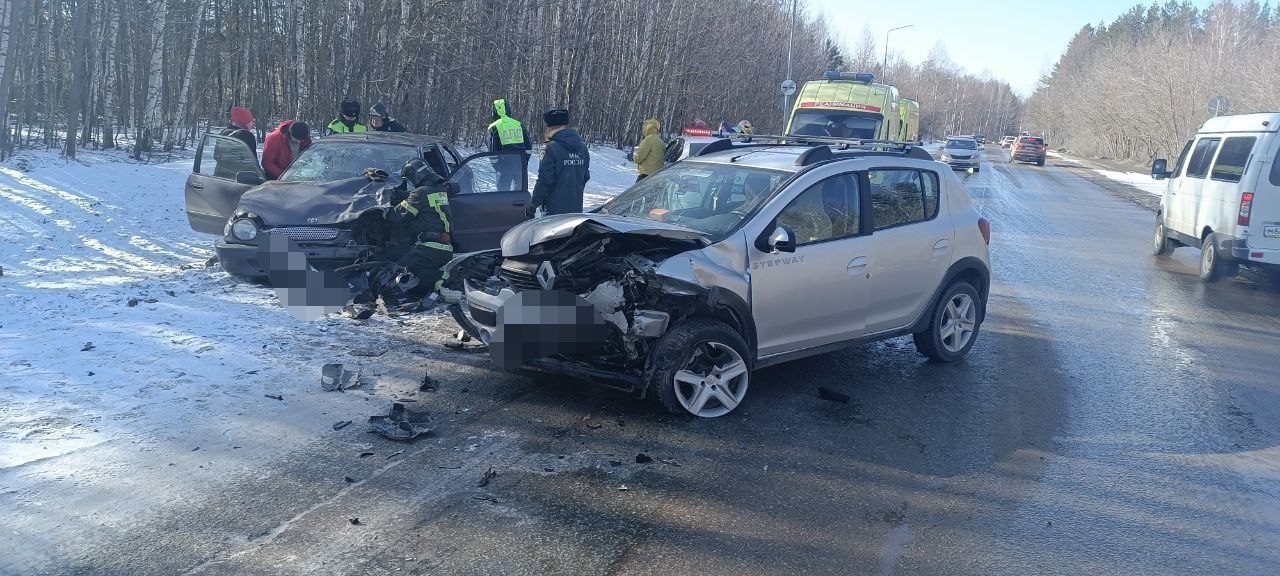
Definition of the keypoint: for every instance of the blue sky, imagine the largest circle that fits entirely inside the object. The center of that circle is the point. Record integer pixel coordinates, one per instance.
(1012, 40)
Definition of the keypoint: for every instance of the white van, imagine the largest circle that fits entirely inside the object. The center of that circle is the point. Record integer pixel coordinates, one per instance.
(1223, 195)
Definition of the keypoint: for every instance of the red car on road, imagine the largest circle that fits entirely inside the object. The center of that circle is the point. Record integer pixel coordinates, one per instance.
(1027, 149)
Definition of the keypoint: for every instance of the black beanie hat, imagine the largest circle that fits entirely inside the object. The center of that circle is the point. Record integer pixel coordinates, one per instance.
(300, 130)
(350, 107)
(556, 117)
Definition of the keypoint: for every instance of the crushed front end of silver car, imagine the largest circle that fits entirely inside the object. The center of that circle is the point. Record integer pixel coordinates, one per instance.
(588, 295)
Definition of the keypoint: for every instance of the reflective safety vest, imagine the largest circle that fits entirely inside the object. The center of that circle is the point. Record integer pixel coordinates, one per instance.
(337, 127)
(510, 131)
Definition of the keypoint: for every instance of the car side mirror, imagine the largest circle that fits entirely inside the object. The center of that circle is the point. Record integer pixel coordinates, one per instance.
(249, 177)
(780, 239)
(1160, 169)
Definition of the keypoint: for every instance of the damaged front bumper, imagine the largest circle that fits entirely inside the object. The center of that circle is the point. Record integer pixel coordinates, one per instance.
(521, 327)
(246, 260)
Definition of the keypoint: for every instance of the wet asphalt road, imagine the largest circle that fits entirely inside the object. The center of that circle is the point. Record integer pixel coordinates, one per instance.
(1116, 416)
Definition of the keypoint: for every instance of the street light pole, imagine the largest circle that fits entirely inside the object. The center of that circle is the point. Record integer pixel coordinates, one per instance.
(791, 39)
(884, 68)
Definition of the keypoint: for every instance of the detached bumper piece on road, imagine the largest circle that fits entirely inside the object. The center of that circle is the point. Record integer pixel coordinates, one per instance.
(401, 423)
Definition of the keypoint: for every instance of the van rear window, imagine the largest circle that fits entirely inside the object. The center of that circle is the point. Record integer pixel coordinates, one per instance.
(1230, 165)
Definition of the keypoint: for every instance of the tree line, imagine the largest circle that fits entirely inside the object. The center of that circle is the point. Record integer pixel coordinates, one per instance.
(1137, 88)
(158, 73)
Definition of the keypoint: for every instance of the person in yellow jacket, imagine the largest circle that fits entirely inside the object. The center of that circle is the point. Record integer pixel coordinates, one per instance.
(651, 152)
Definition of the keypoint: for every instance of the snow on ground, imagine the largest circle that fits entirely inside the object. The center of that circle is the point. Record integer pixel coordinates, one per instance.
(1137, 180)
(191, 361)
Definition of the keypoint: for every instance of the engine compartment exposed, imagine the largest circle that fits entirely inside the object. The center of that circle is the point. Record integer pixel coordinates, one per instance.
(615, 272)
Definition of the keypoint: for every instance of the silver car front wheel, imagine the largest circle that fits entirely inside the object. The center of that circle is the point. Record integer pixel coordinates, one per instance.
(713, 381)
(701, 367)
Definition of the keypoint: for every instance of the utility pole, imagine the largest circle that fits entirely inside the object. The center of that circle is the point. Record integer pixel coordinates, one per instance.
(884, 68)
(791, 39)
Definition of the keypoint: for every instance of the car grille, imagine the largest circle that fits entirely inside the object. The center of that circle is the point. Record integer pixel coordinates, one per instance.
(519, 277)
(307, 232)
(523, 276)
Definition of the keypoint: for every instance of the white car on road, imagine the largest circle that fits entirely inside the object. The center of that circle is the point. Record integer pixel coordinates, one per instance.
(962, 153)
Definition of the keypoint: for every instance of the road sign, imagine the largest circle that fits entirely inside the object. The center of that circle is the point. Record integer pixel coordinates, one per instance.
(1219, 105)
(788, 87)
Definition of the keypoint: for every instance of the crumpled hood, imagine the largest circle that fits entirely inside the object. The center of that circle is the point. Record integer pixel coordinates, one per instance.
(316, 203)
(518, 240)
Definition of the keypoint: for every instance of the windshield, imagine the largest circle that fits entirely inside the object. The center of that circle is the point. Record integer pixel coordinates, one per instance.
(962, 144)
(710, 198)
(1033, 141)
(341, 160)
(836, 124)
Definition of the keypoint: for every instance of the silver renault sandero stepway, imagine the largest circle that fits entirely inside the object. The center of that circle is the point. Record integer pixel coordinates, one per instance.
(737, 258)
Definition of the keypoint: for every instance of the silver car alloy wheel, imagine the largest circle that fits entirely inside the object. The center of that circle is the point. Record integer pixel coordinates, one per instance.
(959, 319)
(712, 381)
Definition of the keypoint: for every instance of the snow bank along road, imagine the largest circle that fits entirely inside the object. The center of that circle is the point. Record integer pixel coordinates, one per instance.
(1116, 416)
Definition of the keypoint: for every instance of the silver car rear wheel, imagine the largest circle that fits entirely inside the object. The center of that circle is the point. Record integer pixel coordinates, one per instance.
(959, 322)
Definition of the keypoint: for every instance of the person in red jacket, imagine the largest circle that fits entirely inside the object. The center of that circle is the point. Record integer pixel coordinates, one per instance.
(280, 147)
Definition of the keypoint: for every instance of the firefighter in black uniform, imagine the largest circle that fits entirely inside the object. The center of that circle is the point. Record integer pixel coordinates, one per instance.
(420, 240)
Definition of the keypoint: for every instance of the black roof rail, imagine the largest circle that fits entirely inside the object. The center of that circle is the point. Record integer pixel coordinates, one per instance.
(717, 146)
(815, 155)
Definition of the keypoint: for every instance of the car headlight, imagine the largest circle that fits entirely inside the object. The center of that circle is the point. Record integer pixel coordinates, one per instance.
(244, 229)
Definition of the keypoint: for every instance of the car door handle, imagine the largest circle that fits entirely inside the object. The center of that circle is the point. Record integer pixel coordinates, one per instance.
(941, 244)
(857, 266)
(197, 187)
(518, 203)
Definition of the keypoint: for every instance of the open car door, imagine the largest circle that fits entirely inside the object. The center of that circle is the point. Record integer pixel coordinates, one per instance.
(224, 169)
(493, 189)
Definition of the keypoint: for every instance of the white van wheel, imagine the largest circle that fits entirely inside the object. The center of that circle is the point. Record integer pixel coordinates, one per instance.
(1161, 244)
(1211, 266)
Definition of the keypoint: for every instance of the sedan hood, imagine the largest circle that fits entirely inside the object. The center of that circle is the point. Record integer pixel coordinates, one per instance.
(518, 240)
(316, 203)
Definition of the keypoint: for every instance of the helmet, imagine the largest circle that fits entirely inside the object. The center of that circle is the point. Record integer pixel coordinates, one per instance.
(418, 173)
(350, 107)
(744, 127)
(379, 109)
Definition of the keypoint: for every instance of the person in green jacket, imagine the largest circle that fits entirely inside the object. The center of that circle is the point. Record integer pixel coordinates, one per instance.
(651, 152)
(348, 119)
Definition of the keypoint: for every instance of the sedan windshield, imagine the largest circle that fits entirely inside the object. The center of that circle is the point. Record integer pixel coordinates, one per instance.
(326, 161)
(962, 144)
(711, 198)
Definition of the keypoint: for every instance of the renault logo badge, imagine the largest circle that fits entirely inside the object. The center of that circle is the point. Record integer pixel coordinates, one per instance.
(546, 275)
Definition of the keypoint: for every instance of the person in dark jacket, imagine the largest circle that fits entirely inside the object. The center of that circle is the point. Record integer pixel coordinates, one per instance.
(348, 119)
(241, 127)
(281, 147)
(381, 121)
(564, 169)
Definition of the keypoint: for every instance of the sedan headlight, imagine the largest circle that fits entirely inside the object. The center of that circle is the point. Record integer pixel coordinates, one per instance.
(244, 229)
